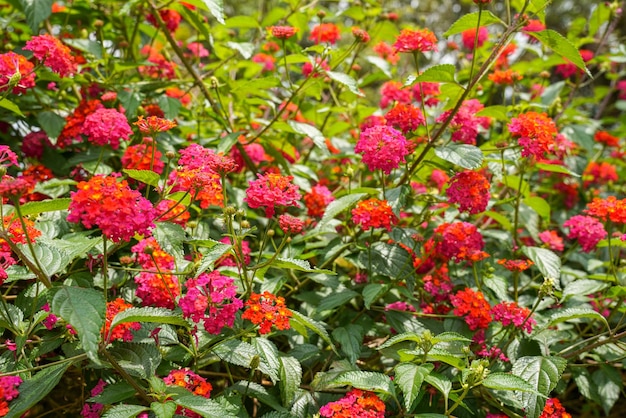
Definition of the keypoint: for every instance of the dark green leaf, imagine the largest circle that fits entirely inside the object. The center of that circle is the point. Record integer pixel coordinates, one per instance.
(139, 360)
(149, 314)
(608, 385)
(211, 256)
(409, 378)
(505, 381)
(334, 300)
(290, 378)
(270, 364)
(567, 314)
(350, 340)
(440, 382)
(114, 393)
(163, 410)
(298, 265)
(124, 411)
(542, 373)
(36, 11)
(582, 287)
(259, 392)
(51, 123)
(372, 292)
(313, 325)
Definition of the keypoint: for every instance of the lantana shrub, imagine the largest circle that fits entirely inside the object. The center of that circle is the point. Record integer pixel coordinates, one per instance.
(311, 209)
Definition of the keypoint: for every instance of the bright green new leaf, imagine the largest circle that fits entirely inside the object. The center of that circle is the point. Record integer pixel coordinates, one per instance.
(148, 177)
(35, 208)
(470, 21)
(213, 254)
(149, 314)
(9, 105)
(560, 45)
(539, 205)
(442, 73)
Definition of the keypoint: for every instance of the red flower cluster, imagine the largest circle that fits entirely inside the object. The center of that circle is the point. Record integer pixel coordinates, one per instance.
(470, 190)
(603, 137)
(271, 190)
(468, 37)
(554, 409)
(599, 173)
(123, 331)
(108, 203)
(386, 52)
(73, 129)
(53, 53)
(325, 32)
(459, 241)
(374, 213)
(473, 306)
(282, 32)
(170, 17)
(162, 68)
(394, 91)
(16, 72)
(382, 147)
(511, 313)
(267, 310)
(609, 209)
(194, 383)
(317, 199)
(535, 133)
(290, 224)
(421, 40)
(356, 404)
(405, 117)
(156, 286)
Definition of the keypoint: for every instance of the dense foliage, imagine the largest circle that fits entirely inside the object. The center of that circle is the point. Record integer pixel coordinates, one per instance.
(312, 209)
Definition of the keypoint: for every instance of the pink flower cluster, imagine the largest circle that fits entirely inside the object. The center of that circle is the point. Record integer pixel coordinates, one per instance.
(211, 298)
(156, 286)
(470, 190)
(465, 125)
(511, 313)
(53, 53)
(356, 404)
(589, 231)
(271, 190)
(106, 127)
(382, 147)
(8, 392)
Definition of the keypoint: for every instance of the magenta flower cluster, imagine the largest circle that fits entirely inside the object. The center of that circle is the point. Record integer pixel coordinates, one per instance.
(383, 147)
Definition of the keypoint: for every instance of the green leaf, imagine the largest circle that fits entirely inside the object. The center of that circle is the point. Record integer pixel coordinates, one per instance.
(505, 381)
(556, 42)
(372, 381)
(124, 411)
(51, 123)
(405, 336)
(341, 297)
(442, 73)
(444, 356)
(298, 265)
(582, 287)
(347, 81)
(351, 340)
(145, 176)
(470, 21)
(388, 260)
(36, 11)
(203, 406)
(257, 391)
(9, 105)
(246, 49)
(497, 112)
(149, 314)
(86, 45)
(114, 393)
(440, 382)
(209, 257)
(34, 389)
(51, 205)
(237, 352)
(450, 337)
(409, 378)
(84, 309)
(163, 410)
(269, 354)
(139, 360)
(290, 378)
(312, 132)
(463, 155)
(51, 258)
(170, 237)
(542, 374)
(335, 207)
(608, 385)
(548, 263)
(539, 205)
(567, 314)
(216, 7)
(315, 326)
(552, 168)
(372, 292)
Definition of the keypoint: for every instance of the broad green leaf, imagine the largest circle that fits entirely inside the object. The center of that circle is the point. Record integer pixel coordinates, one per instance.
(444, 356)
(335, 207)
(497, 112)
(463, 155)
(34, 389)
(163, 409)
(599, 17)
(139, 360)
(12, 317)
(124, 411)
(170, 106)
(347, 81)
(254, 390)
(553, 168)
(548, 263)
(567, 314)
(442, 73)
(409, 378)
(84, 309)
(114, 393)
(341, 297)
(440, 382)
(608, 385)
(9, 105)
(171, 238)
(36, 11)
(313, 325)
(86, 45)
(542, 374)
(350, 340)
(237, 352)
(449, 337)
(35, 208)
(312, 132)
(246, 49)
(211, 256)
(551, 93)
(290, 378)
(149, 314)
(505, 381)
(405, 336)
(242, 22)
(51, 123)
(145, 176)
(582, 287)
(71, 247)
(203, 406)
(51, 259)
(470, 21)
(388, 260)
(372, 292)
(298, 265)
(269, 354)
(539, 205)
(560, 45)
(372, 381)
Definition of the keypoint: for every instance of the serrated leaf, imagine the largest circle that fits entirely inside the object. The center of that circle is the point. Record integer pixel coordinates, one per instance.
(567, 314)
(216, 7)
(203, 406)
(298, 265)
(505, 381)
(163, 410)
(259, 392)
(236, 352)
(463, 155)
(9, 105)
(124, 411)
(313, 325)
(51, 259)
(449, 337)
(51, 205)
(148, 314)
(440, 382)
(444, 356)
(372, 292)
(470, 21)
(36, 11)
(548, 263)
(211, 256)
(171, 238)
(145, 176)
(556, 42)
(608, 384)
(347, 81)
(335, 207)
(442, 73)
(84, 309)
(409, 378)
(350, 340)
(51, 123)
(388, 260)
(405, 336)
(542, 374)
(582, 287)
(139, 360)
(34, 389)
(290, 378)
(114, 393)
(553, 168)
(312, 132)
(269, 354)
(371, 381)
(341, 297)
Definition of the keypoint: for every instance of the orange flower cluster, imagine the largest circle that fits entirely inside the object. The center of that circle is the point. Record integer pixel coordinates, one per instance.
(599, 173)
(554, 409)
(473, 306)
(421, 40)
(122, 331)
(267, 310)
(505, 77)
(325, 32)
(535, 133)
(609, 209)
(152, 125)
(516, 265)
(374, 213)
(603, 137)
